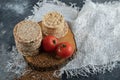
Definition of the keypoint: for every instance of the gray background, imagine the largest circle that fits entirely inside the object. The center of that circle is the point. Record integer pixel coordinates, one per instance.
(10, 17)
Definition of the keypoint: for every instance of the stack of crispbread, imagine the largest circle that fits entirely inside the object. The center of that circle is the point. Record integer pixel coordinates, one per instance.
(28, 37)
(54, 24)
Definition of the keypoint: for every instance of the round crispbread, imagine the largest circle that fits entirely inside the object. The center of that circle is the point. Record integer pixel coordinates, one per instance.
(27, 32)
(53, 20)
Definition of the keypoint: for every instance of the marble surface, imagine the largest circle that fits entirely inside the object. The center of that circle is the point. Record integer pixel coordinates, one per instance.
(10, 15)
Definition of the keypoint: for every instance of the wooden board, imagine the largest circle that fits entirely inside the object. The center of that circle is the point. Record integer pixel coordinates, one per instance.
(47, 61)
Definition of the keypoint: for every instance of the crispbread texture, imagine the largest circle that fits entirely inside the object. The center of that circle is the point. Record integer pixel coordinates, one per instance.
(28, 37)
(54, 24)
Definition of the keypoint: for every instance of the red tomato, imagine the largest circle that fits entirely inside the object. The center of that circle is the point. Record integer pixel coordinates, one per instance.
(49, 43)
(64, 50)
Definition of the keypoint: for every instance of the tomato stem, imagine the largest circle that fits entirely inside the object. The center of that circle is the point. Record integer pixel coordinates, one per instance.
(54, 41)
(63, 45)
